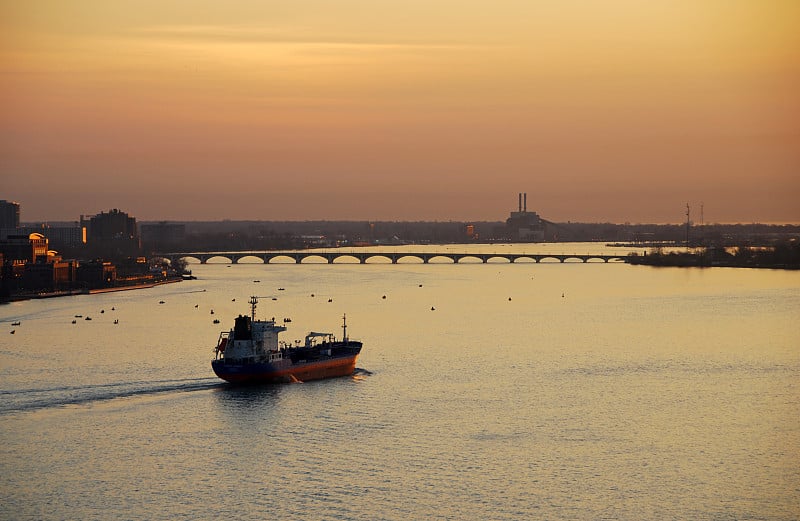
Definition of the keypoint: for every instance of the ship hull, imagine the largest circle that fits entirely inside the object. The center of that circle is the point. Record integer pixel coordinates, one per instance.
(258, 373)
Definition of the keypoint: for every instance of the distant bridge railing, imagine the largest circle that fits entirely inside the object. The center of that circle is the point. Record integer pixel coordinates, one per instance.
(299, 256)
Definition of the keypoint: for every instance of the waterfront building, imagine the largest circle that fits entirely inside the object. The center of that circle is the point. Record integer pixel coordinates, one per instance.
(53, 274)
(58, 236)
(97, 274)
(19, 249)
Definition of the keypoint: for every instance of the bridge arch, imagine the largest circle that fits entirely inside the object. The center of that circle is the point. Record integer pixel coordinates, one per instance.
(549, 258)
(498, 259)
(440, 258)
(280, 259)
(190, 259)
(346, 258)
(315, 259)
(470, 259)
(404, 258)
(249, 259)
(377, 258)
(217, 259)
(524, 259)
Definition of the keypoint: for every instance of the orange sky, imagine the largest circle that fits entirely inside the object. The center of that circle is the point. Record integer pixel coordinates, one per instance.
(401, 109)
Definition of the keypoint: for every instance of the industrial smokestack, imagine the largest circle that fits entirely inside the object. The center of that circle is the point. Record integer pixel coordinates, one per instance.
(520, 201)
(525, 204)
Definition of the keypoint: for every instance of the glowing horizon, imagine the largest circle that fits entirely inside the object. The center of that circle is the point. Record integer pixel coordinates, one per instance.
(613, 112)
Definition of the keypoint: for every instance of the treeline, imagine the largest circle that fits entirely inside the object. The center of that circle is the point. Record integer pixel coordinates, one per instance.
(272, 235)
(783, 255)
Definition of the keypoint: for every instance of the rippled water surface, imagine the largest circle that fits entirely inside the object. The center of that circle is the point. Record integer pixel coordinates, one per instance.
(529, 391)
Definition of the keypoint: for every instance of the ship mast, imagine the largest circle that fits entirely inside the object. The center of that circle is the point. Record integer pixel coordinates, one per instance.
(344, 328)
(253, 302)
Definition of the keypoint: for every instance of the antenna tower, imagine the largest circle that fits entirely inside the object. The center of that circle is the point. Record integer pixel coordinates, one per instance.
(688, 212)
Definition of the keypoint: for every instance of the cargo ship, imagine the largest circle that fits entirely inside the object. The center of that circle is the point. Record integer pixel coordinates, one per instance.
(251, 353)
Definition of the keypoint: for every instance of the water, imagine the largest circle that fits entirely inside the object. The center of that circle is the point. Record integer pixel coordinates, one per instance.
(598, 391)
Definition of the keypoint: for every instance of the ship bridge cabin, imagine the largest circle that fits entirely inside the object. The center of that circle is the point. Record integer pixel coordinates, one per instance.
(250, 339)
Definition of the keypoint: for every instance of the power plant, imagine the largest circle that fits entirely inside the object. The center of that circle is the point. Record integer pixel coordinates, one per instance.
(525, 226)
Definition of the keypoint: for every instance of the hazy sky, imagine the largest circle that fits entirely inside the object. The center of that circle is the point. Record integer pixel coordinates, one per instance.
(401, 109)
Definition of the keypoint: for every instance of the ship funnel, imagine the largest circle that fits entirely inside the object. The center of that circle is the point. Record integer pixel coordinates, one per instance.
(520, 201)
(525, 202)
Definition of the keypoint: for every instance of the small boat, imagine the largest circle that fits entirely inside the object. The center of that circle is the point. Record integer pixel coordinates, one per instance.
(116, 321)
(88, 318)
(281, 289)
(216, 321)
(102, 311)
(161, 302)
(250, 353)
(74, 321)
(16, 323)
(78, 316)
(13, 331)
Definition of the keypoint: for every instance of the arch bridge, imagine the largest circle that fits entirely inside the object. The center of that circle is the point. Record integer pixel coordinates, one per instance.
(362, 257)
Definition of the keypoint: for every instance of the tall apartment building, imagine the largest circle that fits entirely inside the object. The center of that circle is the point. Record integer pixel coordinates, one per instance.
(112, 234)
(9, 214)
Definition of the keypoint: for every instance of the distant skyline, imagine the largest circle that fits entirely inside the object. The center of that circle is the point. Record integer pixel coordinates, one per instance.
(619, 111)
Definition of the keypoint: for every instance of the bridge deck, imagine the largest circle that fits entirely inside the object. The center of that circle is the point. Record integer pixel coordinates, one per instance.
(362, 257)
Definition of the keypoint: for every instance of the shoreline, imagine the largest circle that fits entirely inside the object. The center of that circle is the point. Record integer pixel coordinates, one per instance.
(133, 286)
(75, 292)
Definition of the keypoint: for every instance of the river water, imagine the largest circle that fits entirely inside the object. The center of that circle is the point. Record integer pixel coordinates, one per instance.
(484, 391)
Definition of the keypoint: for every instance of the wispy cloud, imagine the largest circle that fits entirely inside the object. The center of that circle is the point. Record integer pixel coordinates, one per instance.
(239, 34)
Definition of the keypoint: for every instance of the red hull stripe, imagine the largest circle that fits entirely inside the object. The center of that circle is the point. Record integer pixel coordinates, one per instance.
(303, 372)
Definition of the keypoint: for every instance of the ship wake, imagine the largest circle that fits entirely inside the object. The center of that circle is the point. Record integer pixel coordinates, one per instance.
(56, 397)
